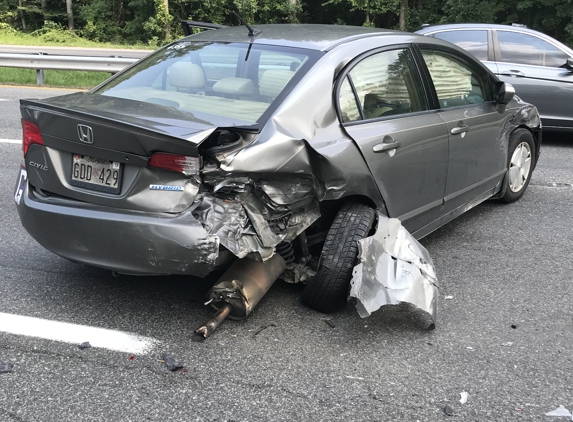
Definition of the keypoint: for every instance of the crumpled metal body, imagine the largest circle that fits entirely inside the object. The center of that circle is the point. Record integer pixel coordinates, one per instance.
(394, 267)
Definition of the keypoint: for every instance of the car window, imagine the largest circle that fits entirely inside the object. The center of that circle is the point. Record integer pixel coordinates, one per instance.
(455, 81)
(385, 84)
(474, 41)
(527, 49)
(235, 82)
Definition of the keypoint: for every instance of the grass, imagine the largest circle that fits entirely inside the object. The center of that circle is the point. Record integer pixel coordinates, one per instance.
(61, 78)
(28, 39)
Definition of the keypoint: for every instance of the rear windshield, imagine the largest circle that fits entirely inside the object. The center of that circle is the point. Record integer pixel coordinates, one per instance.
(226, 84)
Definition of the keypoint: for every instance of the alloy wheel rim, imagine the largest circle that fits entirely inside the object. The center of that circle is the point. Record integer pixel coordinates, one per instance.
(519, 167)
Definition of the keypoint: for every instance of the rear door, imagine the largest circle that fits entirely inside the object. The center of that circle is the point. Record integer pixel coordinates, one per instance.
(384, 108)
(532, 65)
(464, 95)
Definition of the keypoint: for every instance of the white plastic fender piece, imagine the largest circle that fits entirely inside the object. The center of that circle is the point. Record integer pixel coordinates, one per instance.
(394, 267)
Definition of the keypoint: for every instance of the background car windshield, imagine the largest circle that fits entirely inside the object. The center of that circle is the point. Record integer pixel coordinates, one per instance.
(237, 82)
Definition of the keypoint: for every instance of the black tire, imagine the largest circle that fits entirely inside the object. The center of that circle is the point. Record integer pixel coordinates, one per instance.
(327, 291)
(519, 138)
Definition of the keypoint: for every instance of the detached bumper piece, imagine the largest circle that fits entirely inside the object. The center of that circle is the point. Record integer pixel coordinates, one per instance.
(239, 290)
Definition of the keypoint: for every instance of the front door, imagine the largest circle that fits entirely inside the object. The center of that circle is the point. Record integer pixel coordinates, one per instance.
(533, 66)
(477, 156)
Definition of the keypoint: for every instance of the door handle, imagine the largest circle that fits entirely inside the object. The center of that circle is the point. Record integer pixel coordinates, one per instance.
(459, 129)
(515, 73)
(386, 146)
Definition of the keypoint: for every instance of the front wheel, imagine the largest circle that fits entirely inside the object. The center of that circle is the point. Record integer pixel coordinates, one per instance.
(520, 163)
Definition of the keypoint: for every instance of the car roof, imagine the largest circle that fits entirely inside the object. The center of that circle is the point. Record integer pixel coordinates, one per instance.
(520, 28)
(309, 36)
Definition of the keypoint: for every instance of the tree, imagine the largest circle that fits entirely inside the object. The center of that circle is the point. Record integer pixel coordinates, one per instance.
(70, 13)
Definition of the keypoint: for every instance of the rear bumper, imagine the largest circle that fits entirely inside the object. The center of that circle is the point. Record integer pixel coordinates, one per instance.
(122, 241)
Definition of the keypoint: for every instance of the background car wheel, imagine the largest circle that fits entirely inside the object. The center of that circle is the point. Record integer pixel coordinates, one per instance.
(520, 163)
(328, 289)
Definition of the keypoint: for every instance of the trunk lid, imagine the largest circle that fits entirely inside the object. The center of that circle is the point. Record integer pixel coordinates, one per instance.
(123, 134)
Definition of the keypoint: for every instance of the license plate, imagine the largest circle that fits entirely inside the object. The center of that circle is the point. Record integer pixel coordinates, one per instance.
(96, 174)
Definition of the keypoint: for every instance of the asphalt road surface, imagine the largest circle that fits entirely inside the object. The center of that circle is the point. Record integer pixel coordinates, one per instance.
(504, 329)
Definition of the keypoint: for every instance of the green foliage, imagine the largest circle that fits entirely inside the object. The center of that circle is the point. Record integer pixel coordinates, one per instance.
(150, 22)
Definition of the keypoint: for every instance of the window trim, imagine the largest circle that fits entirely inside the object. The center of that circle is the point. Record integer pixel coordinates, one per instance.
(346, 72)
(472, 62)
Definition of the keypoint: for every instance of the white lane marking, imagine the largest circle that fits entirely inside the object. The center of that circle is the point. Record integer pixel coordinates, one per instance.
(11, 141)
(76, 334)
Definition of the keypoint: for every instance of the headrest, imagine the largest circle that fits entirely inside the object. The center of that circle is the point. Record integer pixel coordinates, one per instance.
(274, 81)
(186, 75)
(235, 86)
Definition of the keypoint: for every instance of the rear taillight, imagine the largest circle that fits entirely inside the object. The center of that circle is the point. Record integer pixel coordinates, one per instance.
(181, 163)
(30, 135)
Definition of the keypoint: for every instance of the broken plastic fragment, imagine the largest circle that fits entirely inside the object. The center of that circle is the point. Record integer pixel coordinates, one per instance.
(171, 361)
(6, 367)
(84, 345)
(464, 397)
(394, 267)
(448, 297)
(560, 411)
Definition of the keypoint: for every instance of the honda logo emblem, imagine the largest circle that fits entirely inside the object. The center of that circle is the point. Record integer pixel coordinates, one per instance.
(86, 134)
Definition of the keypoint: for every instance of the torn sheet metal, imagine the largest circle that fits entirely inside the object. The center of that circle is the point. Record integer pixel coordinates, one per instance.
(393, 268)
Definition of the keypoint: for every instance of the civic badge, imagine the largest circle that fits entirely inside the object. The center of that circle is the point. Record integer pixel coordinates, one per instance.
(86, 134)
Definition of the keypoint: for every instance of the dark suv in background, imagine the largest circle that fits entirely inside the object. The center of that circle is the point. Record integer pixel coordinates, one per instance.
(539, 67)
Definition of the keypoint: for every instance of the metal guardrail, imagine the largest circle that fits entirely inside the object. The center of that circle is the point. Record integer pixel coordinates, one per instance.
(40, 62)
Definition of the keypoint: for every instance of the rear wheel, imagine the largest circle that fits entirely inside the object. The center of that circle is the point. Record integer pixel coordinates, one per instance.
(521, 156)
(328, 289)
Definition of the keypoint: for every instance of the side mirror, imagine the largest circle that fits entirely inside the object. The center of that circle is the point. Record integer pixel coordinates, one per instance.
(504, 92)
(569, 64)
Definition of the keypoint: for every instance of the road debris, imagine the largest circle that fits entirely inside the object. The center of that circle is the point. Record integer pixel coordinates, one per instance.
(170, 361)
(6, 367)
(263, 328)
(84, 345)
(464, 397)
(469, 348)
(560, 411)
(508, 344)
(448, 410)
(514, 326)
(131, 357)
(448, 297)
(329, 323)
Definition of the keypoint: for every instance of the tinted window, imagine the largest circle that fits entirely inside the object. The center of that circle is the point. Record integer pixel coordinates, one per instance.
(527, 49)
(456, 82)
(236, 83)
(474, 42)
(385, 84)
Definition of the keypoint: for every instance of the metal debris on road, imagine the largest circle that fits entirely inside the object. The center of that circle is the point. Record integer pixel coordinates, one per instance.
(84, 345)
(6, 367)
(560, 411)
(448, 410)
(464, 397)
(170, 361)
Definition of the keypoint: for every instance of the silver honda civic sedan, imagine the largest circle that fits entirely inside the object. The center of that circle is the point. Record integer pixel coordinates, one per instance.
(331, 147)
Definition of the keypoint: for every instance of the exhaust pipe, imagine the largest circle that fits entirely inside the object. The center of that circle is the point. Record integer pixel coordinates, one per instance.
(239, 290)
